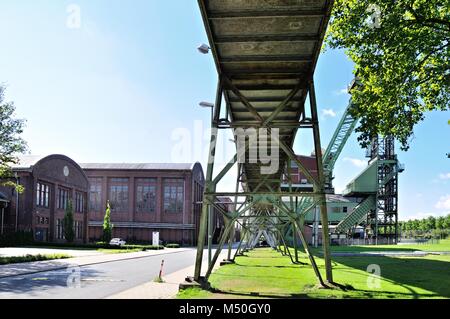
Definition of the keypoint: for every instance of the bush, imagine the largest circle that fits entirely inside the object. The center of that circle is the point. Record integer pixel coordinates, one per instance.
(30, 258)
(16, 239)
(26, 239)
(143, 247)
(173, 246)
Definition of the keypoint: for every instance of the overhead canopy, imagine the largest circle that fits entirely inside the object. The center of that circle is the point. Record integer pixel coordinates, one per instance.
(266, 53)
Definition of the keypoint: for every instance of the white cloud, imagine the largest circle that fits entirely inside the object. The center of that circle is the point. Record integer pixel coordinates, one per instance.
(444, 202)
(329, 112)
(356, 162)
(341, 91)
(444, 176)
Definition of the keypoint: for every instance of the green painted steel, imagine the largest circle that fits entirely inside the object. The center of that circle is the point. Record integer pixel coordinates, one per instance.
(343, 131)
(265, 54)
(358, 215)
(365, 183)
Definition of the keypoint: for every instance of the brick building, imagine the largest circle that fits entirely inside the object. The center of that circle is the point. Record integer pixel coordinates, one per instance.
(145, 198)
(49, 182)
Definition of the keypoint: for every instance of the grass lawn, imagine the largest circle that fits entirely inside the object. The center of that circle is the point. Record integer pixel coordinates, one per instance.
(30, 258)
(265, 273)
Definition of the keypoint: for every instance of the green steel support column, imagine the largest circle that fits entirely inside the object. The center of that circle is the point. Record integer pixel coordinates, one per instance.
(219, 248)
(321, 190)
(237, 250)
(201, 241)
(231, 241)
(209, 186)
(308, 253)
(233, 233)
(294, 239)
(303, 240)
(210, 226)
(286, 248)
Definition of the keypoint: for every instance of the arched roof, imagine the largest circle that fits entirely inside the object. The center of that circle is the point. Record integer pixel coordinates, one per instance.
(29, 162)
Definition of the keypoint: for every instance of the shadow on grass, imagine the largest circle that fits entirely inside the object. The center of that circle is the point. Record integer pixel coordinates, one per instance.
(428, 274)
(358, 249)
(294, 266)
(413, 274)
(363, 294)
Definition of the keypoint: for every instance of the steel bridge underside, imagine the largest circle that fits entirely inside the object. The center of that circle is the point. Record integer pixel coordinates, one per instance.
(265, 54)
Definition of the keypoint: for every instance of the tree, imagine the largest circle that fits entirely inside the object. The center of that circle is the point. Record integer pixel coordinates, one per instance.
(107, 226)
(440, 223)
(401, 50)
(447, 222)
(11, 144)
(431, 223)
(69, 233)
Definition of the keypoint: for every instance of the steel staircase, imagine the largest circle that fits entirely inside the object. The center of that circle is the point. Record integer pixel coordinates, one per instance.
(357, 215)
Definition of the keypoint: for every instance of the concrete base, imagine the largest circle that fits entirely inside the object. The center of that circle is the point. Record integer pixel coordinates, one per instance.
(191, 283)
(227, 262)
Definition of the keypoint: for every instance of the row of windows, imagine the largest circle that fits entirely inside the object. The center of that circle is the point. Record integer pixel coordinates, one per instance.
(77, 228)
(43, 198)
(338, 209)
(173, 190)
(42, 220)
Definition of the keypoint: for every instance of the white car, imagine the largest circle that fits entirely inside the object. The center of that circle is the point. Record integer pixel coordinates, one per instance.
(117, 242)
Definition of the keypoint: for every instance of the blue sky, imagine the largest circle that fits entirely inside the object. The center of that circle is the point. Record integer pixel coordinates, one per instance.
(123, 86)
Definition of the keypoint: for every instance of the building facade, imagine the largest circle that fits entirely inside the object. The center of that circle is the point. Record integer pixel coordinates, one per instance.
(49, 184)
(146, 198)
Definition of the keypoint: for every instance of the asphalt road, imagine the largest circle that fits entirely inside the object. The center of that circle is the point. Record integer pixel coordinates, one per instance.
(96, 281)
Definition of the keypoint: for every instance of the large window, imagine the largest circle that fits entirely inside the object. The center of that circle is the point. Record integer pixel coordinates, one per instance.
(95, 194)
(118, 194)
(173, 195)
(42, 195)
(78, 229)
(79, 202)
(63, 198)
(59, 229)
(145, 195)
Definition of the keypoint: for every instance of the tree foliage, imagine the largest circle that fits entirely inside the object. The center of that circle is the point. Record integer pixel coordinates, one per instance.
(107, 226)
(437, 227)
(69, 233)
(402, 54)
(11, 144)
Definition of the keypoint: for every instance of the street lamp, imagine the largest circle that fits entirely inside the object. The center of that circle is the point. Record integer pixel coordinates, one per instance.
(208, 105)
(204, 49)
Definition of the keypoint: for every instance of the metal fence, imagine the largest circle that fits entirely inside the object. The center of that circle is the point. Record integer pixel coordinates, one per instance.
(380, 241)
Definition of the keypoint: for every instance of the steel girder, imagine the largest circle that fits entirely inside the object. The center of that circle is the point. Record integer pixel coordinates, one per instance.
(265, 75)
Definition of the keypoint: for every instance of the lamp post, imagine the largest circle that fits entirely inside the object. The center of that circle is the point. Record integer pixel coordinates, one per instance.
(204, 49)
(210, 212)
(3, 217)
(17, 202)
